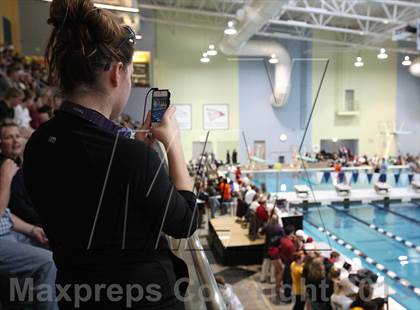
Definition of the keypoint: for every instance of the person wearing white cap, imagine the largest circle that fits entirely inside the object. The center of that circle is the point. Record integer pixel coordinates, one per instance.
(300, 238)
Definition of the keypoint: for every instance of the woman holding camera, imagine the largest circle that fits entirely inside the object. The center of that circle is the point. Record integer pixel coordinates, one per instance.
(104, 198)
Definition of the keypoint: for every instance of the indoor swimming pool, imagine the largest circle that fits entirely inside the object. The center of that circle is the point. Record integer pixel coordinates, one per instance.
(277, 181)
(395, 222)
(353, 227)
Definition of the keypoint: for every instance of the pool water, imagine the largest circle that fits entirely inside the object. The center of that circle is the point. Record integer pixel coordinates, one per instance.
(380, 248)
(409, 210)
(398, 225)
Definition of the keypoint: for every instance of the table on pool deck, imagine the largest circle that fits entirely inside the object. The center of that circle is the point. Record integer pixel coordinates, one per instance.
(363, 195)
(230, 242)
(380, 288)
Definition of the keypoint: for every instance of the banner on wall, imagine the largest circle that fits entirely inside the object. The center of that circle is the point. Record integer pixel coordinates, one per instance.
(216, 116)
(183, 116)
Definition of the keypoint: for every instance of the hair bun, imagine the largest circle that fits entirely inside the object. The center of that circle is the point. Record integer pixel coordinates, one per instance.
(69, 12)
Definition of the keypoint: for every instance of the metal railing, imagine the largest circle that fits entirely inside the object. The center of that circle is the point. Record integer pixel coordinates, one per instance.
(203, 292)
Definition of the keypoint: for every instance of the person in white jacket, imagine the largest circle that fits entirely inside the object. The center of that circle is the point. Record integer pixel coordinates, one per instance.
(231, 300)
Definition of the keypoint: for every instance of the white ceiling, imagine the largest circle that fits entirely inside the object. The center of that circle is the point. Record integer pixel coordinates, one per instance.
(354, 24)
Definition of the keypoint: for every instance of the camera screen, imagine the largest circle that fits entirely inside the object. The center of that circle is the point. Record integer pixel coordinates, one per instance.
(159, 106)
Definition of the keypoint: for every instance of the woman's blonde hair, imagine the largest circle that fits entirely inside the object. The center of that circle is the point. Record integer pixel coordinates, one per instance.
(316, 269)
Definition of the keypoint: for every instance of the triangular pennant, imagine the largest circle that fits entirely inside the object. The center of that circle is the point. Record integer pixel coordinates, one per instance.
(333, 177)
(341, 177)
(319, 177)
(410, 178)
(382, 177)
(355, 176)
(397, 177)
(369, 177)
(327, 175)
(348, 177)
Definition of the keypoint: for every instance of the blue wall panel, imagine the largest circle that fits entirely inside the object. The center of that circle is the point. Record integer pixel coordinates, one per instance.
(260, 120)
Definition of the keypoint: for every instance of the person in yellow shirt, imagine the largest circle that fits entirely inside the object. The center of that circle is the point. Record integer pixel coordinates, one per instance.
(296, 270)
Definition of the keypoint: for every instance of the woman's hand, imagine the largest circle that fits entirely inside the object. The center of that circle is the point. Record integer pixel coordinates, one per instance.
(39, 234)
(167, 131)
(7, 171)
(144, 133)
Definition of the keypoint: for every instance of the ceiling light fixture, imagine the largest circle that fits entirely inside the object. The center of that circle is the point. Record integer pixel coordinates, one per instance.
(382, 54)
(273, 59)
(415, 67)
(205, 58)
(406, 61)
(230, 30)
(212, 51)
(359, 62)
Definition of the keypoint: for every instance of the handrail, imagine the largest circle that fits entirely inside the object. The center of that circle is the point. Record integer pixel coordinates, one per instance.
(213, 299)
(205, 293)
(212, 296)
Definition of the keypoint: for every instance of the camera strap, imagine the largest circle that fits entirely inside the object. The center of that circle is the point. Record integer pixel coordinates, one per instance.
(96, 118)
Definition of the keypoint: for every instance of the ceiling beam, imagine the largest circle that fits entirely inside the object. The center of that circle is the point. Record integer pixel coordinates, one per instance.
(399, 3)
(290, 23)
(327, 28)
(335, 42)
(340, 14)
(184, 10)
(279, 35)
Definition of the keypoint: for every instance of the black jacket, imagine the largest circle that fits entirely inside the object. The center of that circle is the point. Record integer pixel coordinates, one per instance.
(66, 164)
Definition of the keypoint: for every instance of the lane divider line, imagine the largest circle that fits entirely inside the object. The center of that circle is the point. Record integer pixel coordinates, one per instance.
(382, 231)
(395, 212)
(393, 275)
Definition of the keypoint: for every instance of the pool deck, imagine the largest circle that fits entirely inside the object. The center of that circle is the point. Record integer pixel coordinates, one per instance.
(363, 195)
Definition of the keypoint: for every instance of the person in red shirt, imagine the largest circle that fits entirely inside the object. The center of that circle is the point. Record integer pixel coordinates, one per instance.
(225, 191)
(288, 248)
(226, 195)
(238, 174)
(261, 211)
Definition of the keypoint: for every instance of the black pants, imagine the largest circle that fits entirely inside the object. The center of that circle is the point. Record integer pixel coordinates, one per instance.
(299, 303)
(287, 281)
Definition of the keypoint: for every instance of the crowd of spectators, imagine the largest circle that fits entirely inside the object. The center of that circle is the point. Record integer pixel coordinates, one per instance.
(301, 274)
(27, 101)
(25, 95)
(344, 158)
